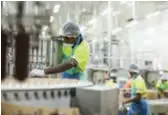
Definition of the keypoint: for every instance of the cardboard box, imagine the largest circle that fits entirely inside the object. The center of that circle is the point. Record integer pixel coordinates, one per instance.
(152, 94)
(11, 109)
(125, 94)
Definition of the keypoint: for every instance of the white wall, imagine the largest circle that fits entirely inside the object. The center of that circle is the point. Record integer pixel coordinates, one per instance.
(152, 35)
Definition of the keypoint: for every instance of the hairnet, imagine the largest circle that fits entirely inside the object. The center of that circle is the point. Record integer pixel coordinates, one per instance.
(133, 68)
(70, 29)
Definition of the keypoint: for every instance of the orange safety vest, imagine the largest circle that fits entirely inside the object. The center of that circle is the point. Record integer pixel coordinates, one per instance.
(128, 84)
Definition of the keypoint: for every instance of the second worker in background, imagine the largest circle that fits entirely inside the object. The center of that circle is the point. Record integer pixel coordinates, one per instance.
(139, 105)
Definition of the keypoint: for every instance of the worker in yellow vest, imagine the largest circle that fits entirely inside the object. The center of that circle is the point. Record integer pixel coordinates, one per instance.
(75, 55)
(139, 105)
(162, 85)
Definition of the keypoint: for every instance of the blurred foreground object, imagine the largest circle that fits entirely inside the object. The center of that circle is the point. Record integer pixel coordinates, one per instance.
(3, 53)
(22, 46)
(22, 110)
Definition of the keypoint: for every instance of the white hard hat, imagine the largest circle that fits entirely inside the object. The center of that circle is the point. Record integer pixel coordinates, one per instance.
(164, 77)
(70, 29)
(134, 68)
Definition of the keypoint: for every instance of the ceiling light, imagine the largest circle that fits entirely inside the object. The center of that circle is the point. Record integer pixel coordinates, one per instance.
(51, 19)
(149, 16)
(56, 8)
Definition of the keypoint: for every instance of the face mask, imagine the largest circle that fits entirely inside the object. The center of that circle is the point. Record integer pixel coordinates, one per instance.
(67, 45)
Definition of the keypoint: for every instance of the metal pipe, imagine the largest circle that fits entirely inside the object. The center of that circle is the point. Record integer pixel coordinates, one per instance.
(52, 53)
(116, 21)
(79, 13)
(134, 10)
(39, 55)
(68, 16)
(131, 43)
(3, 53)
(109, 30)
(41, 51)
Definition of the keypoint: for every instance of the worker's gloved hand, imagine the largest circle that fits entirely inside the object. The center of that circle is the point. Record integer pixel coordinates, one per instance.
(123, 109)
(37, 73)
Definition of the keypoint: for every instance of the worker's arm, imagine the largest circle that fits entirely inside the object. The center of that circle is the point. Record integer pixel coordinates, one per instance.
(61, 67)
(135, 99)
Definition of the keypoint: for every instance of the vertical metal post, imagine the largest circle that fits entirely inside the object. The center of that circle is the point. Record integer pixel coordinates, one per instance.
(134, 9)
(68, 16)
(78, 14)
(116, 21)
(3, 47)
(109, 31)
(52, 53)
(131, 50)
(3, 53)
(60, 20)
(134, 17)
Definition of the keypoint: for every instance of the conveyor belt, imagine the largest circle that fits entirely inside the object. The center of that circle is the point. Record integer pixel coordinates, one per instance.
(42, 84)
(40, 92)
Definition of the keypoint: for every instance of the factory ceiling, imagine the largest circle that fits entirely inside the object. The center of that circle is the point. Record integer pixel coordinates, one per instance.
(82, 11)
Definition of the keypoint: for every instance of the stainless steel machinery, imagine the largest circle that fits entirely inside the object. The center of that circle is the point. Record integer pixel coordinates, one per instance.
(158, 106)
(56, 93)
(96, 74)
(151, 77)
(98, 100)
